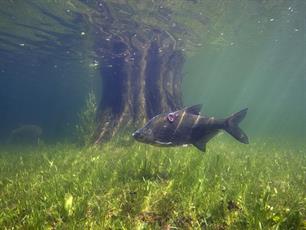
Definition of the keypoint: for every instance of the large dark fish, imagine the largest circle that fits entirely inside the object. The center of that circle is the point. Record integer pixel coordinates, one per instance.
(187, 126)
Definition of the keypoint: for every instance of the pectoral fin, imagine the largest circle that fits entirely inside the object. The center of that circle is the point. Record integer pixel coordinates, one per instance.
(201, 145)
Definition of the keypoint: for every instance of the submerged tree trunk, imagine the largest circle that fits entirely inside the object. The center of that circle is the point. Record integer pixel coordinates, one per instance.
(141, 77)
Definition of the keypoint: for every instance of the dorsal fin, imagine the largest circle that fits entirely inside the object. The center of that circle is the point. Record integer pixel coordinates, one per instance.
(195, 109)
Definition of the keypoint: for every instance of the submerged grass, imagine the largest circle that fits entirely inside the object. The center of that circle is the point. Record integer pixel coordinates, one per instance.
(231, 186)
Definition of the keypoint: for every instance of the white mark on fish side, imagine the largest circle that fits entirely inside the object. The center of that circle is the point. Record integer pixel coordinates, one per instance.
(196, 121)
(163, 143)
(180, 121)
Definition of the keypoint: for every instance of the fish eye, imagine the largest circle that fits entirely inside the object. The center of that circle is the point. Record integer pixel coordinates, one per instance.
(172, 116)
(149, 131)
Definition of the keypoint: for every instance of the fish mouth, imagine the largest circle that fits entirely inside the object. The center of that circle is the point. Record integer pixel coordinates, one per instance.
(137, 135)
(141, 136)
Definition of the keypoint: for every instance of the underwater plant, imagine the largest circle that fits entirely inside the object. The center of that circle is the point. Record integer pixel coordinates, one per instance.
(131, 187)
(86, 124)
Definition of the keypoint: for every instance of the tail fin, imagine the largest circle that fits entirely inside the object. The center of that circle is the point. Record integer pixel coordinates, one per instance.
(231, 126)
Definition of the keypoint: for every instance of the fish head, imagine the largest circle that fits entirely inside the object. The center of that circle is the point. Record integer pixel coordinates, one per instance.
(144, 134)
(159, 130)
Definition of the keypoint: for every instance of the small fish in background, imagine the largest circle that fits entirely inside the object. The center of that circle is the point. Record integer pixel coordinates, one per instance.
(26, 134)
(187, 126)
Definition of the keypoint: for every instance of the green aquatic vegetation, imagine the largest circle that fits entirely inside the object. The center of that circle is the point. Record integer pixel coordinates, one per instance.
(231, 186)
(86, 126)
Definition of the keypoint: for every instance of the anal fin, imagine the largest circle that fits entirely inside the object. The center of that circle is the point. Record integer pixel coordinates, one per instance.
(201, 145)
